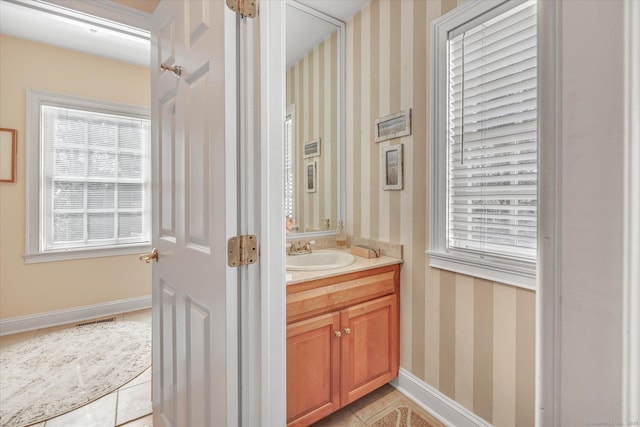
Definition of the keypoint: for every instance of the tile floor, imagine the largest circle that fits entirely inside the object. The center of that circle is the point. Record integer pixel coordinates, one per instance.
(129, 406)
(370, 408)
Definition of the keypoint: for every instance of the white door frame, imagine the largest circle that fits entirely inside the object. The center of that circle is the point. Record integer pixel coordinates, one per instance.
(631, 316)
(272, 234)
(555, 330)
(231, 162)
(549, 227)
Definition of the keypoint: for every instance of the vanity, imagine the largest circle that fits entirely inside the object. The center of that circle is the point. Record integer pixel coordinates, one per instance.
(342, 336)
(342, 312)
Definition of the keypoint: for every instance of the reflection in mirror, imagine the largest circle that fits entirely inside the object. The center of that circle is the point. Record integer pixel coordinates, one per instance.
(313, 125)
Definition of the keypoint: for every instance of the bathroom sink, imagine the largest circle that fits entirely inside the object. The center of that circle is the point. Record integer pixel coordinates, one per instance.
(319, 260)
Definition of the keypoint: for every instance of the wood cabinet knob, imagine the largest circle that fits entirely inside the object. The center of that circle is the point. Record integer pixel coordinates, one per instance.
(337, 334)
(347, 331)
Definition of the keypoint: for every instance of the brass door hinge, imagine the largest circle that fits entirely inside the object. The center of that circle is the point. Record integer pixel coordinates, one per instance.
(243, 7)
(242, 250)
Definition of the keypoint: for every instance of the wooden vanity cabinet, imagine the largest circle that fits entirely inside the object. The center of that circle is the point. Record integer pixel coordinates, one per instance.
(313, 369)
(343, 348)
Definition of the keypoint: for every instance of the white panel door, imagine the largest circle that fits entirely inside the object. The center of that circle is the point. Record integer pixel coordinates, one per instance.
(195, 378)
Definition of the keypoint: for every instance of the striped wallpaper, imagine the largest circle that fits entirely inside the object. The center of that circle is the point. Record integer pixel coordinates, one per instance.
(312, 95)
(471, 339)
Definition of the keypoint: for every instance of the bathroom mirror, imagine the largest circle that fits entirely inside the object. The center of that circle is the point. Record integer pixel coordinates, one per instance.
(314, 123)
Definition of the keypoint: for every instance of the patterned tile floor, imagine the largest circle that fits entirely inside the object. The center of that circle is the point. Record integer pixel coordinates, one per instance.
(129, 406)
(371, 408)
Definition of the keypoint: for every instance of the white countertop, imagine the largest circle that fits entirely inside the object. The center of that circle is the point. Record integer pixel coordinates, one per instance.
(360, 264)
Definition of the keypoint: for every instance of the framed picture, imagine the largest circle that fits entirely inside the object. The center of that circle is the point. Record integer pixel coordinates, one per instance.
(311, 148)
(310, 177)
(393, 126)
(392, 173)
(8, 150)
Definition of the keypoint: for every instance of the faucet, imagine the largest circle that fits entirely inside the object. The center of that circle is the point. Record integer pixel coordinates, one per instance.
(300, 248)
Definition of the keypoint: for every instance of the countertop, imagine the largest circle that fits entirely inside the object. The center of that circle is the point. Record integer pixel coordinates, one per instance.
(360, 264)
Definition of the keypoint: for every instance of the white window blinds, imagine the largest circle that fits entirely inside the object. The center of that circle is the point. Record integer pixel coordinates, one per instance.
(288, 167)
(94, 179)
(492, 156)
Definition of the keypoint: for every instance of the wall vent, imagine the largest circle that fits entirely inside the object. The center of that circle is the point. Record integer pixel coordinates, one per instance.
(93, 322)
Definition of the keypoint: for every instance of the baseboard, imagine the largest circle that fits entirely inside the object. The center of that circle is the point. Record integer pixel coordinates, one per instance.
(440, 406)
(61, 317)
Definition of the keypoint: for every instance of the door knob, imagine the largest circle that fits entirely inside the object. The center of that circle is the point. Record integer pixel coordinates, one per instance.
(347, 331)
(153, 255)
(338, 334)
(176, 69)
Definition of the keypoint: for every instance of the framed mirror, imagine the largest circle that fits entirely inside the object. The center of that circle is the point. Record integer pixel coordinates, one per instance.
(314, 123)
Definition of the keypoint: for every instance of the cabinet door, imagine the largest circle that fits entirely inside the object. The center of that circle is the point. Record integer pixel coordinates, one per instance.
(370, 346)
(313, 369)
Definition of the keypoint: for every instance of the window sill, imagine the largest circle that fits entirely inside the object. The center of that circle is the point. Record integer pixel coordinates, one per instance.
(509, 272)
(74, 254)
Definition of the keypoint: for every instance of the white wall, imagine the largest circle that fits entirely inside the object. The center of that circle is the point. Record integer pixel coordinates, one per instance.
(590, 283)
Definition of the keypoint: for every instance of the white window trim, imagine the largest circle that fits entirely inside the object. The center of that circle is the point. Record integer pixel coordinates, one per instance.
(33, 252)
(291, 111)
(499, 269)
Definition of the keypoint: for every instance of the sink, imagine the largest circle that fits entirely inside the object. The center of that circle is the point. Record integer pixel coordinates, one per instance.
(319, 260)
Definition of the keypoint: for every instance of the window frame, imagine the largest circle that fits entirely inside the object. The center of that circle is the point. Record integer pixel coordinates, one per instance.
(511, 271)
(34, 252)
(291, 113)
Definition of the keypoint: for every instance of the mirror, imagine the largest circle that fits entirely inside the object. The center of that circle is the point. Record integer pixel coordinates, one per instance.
(314, 131)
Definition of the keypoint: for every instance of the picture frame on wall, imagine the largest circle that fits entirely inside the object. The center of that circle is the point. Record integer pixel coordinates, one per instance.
(311, 148)
(311, 177)
(392, 167)
(393, 126)
(8, 152)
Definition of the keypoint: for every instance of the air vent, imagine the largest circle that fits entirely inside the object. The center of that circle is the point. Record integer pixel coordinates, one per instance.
(93, 322)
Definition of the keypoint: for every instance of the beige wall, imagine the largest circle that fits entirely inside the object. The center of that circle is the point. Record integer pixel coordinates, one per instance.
(43, 287)
(312, 89)
(471, 339)
(144, 5)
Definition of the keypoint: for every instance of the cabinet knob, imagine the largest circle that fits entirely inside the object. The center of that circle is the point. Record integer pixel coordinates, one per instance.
(337, 334)
(347, 331)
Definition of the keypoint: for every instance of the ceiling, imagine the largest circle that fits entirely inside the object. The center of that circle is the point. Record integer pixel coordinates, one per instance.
(304, 31)
(61, 26)
(342, 10)
(90, 27)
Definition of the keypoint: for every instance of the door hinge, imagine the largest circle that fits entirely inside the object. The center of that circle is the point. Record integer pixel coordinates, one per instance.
(243, 7)
(242, 250)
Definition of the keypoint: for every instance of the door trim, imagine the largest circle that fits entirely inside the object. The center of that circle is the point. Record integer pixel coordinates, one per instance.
(271, 205)
(233, 212)
(631, 281)
(548, 310)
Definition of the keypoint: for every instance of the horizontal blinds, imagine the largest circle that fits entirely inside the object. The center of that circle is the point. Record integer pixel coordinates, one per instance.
(288, 167)
(93, 180)
(492, 172)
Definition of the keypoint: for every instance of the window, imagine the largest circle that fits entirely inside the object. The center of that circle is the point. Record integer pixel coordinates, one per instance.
(484, 142)
(288, 167)
(88, 178)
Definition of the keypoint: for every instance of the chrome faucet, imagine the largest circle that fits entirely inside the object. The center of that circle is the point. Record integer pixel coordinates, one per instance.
(300, 248)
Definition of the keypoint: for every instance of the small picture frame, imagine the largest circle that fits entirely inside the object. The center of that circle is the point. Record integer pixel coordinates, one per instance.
(311, 148)
(393, 126)
(311, 177)
(392, 167)
(8, 151)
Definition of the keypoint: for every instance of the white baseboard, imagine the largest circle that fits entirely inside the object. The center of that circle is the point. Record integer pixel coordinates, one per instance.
(61, 317)
(437, 404)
